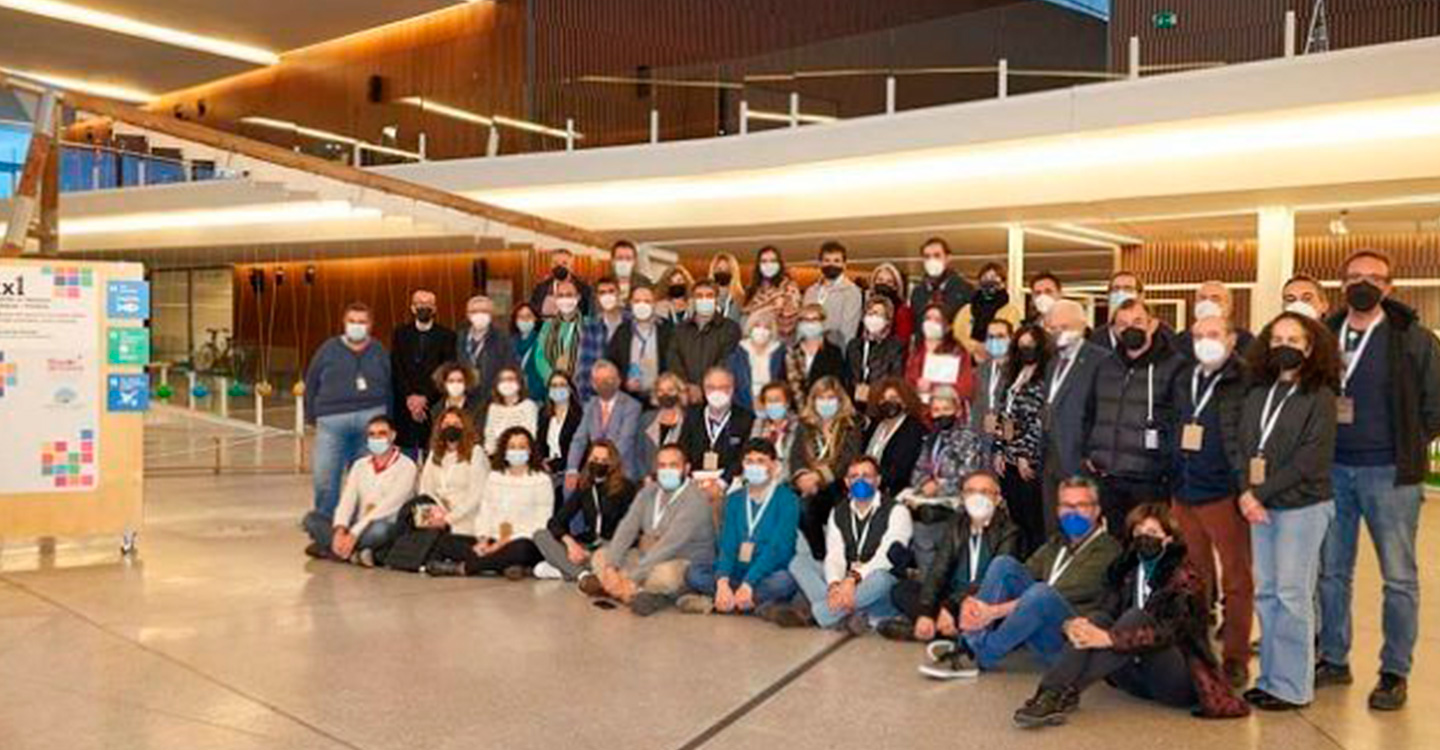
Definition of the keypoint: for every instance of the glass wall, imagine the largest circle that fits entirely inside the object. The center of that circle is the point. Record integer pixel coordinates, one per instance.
(14, 142)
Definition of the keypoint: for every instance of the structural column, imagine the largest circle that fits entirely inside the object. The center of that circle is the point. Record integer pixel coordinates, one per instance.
(1274, 262)
(1015, 255)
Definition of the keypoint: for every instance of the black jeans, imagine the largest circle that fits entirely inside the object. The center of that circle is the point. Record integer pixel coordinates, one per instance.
(905, 595)
(1162, 676)
(1026, 502)
(519, 552)
(1120, 495)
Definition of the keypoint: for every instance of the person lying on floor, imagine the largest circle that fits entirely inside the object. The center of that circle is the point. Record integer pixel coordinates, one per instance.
(589, 516)
(852, 588)
(1028, 604)
(1150, 637)
(930, 607)
(516, 503)
(669, 527)
(377, 486)
(757, 541)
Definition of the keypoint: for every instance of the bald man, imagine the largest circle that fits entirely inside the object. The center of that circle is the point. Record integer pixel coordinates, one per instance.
(1069, 389)
(1213, 300)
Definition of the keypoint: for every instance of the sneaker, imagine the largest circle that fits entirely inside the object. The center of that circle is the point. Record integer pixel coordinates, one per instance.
(695, 604)
(517, 573)
(318, 551)
(792, 616)
(958, 664)
(897, 629)
(646, 604)
(590, 585)
(547, 572)
(1045, 709)
(443, 568)
(856, 625)
(1237, 673)
(1390, 694)
(365, 558)
(1267, 702)
(938, 650)
(1328, 674)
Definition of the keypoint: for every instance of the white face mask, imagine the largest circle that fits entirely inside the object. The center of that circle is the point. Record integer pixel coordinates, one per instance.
(979, 506)
(642, 310)
(717, 399)
(1210, 352)
(508, 388)
(934, 266)
(480, 321)
(760, 335)
(934, 330)
(876, 323)
(769, 269)
(1207, 308)
(811, 329)
(1067, 339)
(456, 390)
(566, 305)
(608, 301)
(357, 333)
(705, 306)
(1043, 303)
(1301, 307)
(623, 268)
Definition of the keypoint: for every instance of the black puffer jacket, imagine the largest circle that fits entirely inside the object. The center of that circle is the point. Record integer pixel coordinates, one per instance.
(1116, 443)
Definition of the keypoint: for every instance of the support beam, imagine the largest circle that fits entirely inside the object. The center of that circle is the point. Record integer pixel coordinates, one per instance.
(1274, 262)
(27, 197)
(1015, 254)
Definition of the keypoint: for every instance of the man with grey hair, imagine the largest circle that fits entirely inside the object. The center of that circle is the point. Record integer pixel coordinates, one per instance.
(609, 414)
(483, 346)
(1069, 388)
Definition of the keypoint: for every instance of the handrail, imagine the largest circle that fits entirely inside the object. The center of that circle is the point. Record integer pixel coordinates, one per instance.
(124, 152)
(189, 131)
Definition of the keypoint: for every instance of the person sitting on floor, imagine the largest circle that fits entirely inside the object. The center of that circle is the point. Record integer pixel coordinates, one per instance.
(1150, 637)
(454, 474)
(852, 588)
(517, 502)
(1028, 604)
(668, 527)
(930, 607)
(757, 541)
(600, 500)
(377, 486)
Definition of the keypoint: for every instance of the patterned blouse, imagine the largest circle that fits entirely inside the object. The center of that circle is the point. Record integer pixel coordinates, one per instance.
(948, 457)
(1021, 407)
(782, 302)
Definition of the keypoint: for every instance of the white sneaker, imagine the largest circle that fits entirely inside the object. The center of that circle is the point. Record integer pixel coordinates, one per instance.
(956, 665)
(939, 649)
(547, 572)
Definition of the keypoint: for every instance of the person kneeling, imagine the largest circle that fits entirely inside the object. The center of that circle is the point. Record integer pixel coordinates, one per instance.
(375, 490)
(668, 528)
(853, 587)
(757, 541)
(1028, 605)
(1149, 638)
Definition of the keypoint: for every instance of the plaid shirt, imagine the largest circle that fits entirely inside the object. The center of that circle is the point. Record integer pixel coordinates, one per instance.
(592, 349)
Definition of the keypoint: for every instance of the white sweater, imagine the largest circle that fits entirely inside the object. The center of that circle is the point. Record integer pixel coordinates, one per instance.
(368, 497)
(500, 418)
(458, 485)
(525, 502)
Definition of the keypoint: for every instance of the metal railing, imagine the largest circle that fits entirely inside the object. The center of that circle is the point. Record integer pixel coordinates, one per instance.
(85, 167)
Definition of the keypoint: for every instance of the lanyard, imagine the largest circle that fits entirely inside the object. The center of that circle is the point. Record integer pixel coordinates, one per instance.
(1142, 586)
(865, 361)
(977, 544)
(1150, 395)
(1021, 380)
(882, 436)
(857, 535)
(994, 383)
(599, 513)
(662, 505)
(1195, 398)
(715, 432)
(1352, 360)
(1061, 564)
(753, 516)
(1268, 420)
(1060, 376)
(644, 340)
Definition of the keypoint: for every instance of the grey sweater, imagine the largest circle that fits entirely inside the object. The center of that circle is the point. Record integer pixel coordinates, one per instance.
(332, 384)
(686, 530)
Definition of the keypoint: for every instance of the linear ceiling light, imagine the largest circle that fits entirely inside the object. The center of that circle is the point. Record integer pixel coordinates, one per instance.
(108, 90)
(130, 27)
(325, 135)
(766, 116)
(258, 214)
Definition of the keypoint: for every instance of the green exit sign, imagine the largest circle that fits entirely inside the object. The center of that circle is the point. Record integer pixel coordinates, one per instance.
(1165, 19)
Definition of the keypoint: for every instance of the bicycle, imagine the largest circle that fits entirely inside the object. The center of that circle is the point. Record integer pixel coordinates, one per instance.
(214, 357)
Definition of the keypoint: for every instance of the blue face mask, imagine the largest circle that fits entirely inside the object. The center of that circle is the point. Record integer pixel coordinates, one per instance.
(827, 407)
(1075, 525)
(517, 456)
(377, 446)
(559, 394)
(669, 479)
(1120, 297)
(811, 330)
(776, 411)
(757, 473)
(997, 347)
(862, 490)
(524, 326)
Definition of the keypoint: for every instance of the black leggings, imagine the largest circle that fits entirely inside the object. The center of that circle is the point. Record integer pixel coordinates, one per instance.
(1162, 676)
(1026, 502)
(519, 552)
(906, 597)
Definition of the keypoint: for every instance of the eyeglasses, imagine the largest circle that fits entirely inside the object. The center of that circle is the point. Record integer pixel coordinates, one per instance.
(1376, 279)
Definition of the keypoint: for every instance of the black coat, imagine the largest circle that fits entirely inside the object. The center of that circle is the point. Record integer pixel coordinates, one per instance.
(694, 349)
(897, 461)
(1116, 442)
(1300, 451)
(497, 353)
(573, 415)
(887, 360)
(828, 362)
(618, 350)
(730, 443)
(581, 502)
(414, 357)
(1067, 419)
(951, 291)
(1001, 537)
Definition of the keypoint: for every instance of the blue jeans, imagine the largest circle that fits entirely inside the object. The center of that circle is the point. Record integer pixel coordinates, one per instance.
(776, 587)
(1037, 620)
(322, 531)
(339, 442)
(1392, 516)
(1287, 566)
(872, 596)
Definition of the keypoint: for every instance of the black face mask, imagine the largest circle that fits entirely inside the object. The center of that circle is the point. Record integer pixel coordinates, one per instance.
(1148, 547)
(1282, 358)
(452, 434)
(832, 272)
(889, 410)
(1028, 355)
(599, 469)
(424, 314)
(723, 278)
(943, 423)
(677, 291)
(668, 401)
(1132, 339)
(560, 273)
(1363, 296)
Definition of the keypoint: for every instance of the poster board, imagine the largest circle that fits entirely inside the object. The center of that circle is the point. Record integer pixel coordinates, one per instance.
(71, 451)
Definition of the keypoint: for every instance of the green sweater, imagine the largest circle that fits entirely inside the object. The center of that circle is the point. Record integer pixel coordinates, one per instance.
(1083, 581)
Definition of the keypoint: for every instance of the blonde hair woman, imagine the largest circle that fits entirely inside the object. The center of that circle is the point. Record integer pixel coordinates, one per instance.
(674, 294)
(887, 281)
(827, 441)
(730, 297)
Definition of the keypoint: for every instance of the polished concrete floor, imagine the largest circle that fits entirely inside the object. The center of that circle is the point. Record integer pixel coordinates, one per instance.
(222, 635)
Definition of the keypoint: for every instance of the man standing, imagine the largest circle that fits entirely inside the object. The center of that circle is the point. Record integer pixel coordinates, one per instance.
(1212, 300)
(941, 284)
(704, 340)
(598, 330)
(1303, 294)
(624, 260)
(1045, 290)
(1124, 287)
(543, 298)
(1069, 390)
(609, 415)
(483, 346)
(346, 386)
(641, 348)
(1389, 412)
(714, 433)
(842, 299)
(417, 349)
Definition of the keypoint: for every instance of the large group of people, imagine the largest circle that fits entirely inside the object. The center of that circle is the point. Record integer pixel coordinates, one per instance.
(934, 460)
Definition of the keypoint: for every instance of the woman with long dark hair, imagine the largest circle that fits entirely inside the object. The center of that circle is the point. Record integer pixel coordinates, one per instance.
(1018, 435)
(772, 291)
(600, 500)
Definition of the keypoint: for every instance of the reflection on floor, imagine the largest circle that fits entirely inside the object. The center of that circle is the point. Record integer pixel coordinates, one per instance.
(221, 635)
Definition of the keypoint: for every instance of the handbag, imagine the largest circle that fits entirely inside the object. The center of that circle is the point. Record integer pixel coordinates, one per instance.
(412, 550)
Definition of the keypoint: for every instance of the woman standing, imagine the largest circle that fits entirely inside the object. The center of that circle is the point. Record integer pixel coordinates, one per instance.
(827, 441)
(877, 353)
(991, 301)
(600, 501)
(813, 357)
(662, 426)
(758, 360)
(559, 418)
(508, 408)
(776, 421)
(886, 281)
(772, 291)
(935, 341)
(1287, 435)
(454, 381)
(730, 293)
(675, 290)
(525, 332)
(1018, 435)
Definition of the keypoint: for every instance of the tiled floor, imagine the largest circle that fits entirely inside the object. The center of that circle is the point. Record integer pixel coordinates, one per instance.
(221, 635)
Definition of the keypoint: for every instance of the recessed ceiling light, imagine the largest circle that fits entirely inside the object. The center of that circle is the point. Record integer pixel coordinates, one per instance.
(130, 27)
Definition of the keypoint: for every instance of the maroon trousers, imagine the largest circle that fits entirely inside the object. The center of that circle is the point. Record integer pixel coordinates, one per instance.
(1217, 529)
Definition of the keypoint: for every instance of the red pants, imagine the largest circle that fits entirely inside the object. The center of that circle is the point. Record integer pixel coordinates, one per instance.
(1217, 529)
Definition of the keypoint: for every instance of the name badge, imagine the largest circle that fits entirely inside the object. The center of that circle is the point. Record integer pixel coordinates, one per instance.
(506, 530)
(1257, 471)
(1007, 431)
(747, 551)
(992, 424)
(1152, 439)
(711, 461)
(360, 384)
(1192, 436)
(1345, 410)
(862, 392)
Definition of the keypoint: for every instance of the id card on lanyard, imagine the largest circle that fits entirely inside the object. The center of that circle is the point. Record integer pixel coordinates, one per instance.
(1192, 435)
(753, 516)
(1268, 420)
(1345, 403)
